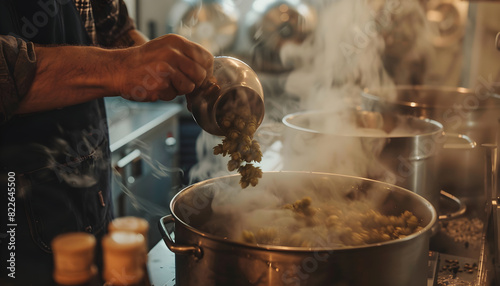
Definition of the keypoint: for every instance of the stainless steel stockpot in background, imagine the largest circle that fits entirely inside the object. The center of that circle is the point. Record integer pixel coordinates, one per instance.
(397, 149)
(473, 113)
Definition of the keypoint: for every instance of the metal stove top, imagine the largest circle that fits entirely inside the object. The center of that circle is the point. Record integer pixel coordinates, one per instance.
(444, 269)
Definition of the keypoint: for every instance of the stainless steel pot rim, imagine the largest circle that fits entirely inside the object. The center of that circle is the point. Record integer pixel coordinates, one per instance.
(216, 238)
(437, 127)
(459, 92)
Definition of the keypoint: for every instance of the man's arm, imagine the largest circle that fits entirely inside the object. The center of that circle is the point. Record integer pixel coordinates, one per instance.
(159, 69)
(131, 38)
(17, 70)
(81, 84)
(68, 75)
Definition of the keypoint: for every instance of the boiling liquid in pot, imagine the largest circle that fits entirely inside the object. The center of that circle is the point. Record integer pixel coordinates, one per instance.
(314, 225)
(318, 215)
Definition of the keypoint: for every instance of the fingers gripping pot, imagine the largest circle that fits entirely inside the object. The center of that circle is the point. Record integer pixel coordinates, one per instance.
(234, 84)
(206, 256)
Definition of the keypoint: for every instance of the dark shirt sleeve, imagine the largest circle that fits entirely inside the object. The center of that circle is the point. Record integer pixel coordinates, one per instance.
(17, 71)
(111, 20)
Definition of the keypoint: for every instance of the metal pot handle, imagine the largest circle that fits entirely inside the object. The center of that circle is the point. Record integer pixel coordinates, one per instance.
(466, 141)
(175, 248)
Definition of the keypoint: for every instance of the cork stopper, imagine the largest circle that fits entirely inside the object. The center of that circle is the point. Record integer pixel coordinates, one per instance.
(74, 258)
(123, 263)
(130, 223)
(135, 225)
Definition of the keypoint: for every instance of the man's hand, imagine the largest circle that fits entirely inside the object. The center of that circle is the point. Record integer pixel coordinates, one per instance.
(162, 68)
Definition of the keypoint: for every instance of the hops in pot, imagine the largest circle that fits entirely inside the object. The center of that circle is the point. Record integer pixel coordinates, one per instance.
(326, 224)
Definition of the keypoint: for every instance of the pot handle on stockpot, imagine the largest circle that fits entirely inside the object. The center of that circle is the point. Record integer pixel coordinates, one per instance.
(175, 248)
(462, 141)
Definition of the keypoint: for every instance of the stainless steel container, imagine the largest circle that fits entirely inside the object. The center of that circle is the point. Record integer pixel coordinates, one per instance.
(392, 148)
(206, 259)
(497, 41)
(473, 113)
(234, 84)
(272, 25)
(210, 23)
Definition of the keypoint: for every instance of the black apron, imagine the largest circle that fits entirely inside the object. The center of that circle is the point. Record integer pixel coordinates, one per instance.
(60, 158)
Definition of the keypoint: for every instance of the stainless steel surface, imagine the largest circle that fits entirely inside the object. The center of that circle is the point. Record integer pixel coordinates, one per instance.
(462, 111)
(493, 199)
(457, 210)
(224, 262)
(497, 41)
(449, 18)
(194, 250)
(407, 159)
(161, 266)
(144, 154)
(210, 23)
(129, 120)
(272, 25)
(455, 270)
(235, 84)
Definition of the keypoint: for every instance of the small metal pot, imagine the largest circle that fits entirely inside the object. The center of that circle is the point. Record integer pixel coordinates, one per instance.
(206, 259)
(473, 113)
(234, 84)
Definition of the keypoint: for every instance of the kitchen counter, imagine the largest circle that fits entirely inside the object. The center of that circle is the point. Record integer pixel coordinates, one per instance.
(161, 265)
(128, 120)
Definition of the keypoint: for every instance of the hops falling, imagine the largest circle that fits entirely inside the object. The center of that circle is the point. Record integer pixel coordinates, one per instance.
(239, 127)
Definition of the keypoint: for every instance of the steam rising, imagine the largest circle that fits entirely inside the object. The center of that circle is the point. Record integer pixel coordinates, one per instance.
(262, 210)
(209, 165)
(75, 166)
(341, 207)
(146, 206)
(342, 57)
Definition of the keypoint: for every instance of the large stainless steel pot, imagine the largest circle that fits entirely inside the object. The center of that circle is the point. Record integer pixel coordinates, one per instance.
(393, 148)
(206, 259)
(473, 113)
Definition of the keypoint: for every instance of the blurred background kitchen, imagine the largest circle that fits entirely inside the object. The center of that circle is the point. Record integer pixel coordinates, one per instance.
(463, 32)
(307, 54)
(297, 48)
